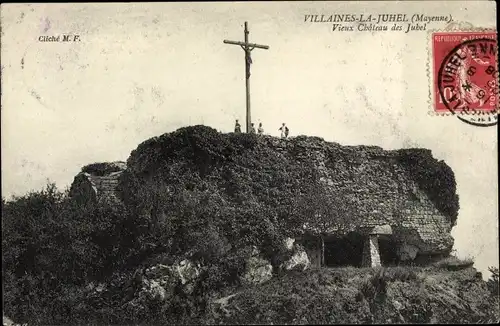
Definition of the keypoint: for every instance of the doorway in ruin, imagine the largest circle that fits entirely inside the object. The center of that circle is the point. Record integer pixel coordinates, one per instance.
(344, 250)
(388, 250)
(313, 247)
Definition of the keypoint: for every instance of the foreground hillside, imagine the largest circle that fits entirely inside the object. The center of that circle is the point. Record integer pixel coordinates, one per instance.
(203, 234)
(350, 295)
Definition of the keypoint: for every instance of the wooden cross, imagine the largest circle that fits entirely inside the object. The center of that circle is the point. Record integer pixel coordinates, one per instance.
(247, 47)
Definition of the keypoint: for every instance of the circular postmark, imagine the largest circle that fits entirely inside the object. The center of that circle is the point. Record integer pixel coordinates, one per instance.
(468, 82)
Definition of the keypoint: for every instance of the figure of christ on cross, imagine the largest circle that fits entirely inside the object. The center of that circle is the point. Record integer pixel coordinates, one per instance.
(247, 47)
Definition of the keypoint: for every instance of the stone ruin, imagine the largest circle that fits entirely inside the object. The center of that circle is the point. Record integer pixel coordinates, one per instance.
(405, 204)
(98, 181)
(400, 216)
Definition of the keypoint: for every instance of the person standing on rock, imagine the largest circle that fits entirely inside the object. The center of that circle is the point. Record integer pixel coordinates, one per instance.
(284, 131)
(261, 129)
(252, 128)
(237, 127)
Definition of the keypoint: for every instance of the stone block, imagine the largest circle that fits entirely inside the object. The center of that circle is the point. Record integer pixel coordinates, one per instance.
(289, 243)
(407, 252)
(382, 229)
(258, 270)
(371, 252)
(299, 260)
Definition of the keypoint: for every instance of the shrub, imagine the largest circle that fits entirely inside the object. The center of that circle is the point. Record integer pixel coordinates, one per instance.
(376, 285)
(493, 281)
(52, 244)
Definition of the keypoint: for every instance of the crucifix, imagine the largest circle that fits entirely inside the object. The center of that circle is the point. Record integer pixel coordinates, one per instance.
(247, 47)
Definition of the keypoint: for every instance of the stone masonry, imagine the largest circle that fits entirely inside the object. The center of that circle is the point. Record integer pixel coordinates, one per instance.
(98, 184)
(371, 252)
(407, 191)
(381, 187)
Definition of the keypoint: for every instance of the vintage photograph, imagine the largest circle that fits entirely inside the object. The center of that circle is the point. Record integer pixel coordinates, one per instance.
(271, 162)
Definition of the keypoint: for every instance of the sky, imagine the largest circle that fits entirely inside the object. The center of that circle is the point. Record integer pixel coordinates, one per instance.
(141, 70)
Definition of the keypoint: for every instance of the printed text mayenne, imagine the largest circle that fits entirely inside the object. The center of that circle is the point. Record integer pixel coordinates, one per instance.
(376, 18)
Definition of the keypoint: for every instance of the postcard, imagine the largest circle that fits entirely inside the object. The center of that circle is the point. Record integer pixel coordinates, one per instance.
(281, 162)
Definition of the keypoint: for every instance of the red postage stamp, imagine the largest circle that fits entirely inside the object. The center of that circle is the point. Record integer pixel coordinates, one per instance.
(465, 72)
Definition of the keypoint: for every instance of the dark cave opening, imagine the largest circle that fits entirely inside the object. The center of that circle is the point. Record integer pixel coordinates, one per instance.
(388, 251)
(344, 251)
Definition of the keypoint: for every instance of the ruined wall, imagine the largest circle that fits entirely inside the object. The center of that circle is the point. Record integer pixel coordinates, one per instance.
(98, 181)
(383, 188)
(358, 187)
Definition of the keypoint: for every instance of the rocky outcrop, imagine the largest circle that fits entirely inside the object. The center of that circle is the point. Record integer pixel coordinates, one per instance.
(299, 259)
(7, 321)
(407, 252)
(160, 283)
(185, 274)
(361, 186)
(332, 189)
(258, 269)
(188, 273)
(289, 243)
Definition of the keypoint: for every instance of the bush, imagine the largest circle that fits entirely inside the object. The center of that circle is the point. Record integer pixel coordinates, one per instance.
(52, 244)
(493, 281)
(376, 285)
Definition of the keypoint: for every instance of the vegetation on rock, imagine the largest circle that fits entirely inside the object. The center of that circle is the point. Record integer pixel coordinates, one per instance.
(209, 199)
